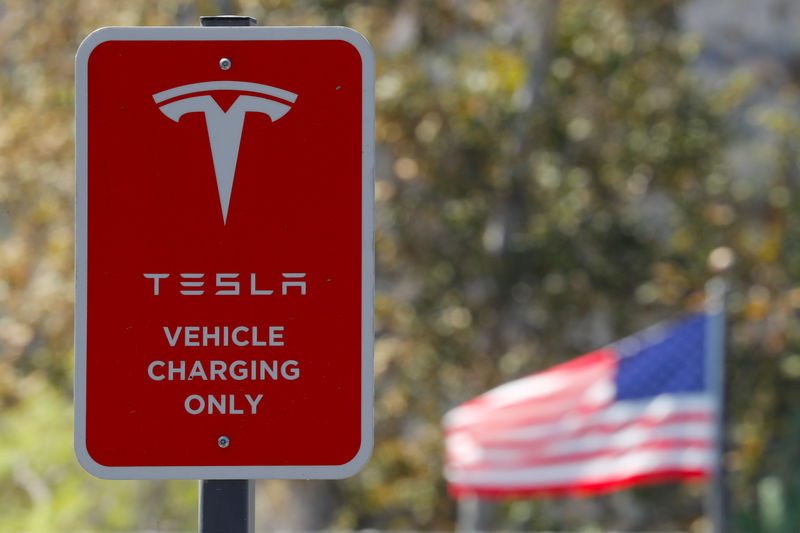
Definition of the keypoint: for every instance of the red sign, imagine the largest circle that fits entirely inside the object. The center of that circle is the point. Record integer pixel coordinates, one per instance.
(225, 252)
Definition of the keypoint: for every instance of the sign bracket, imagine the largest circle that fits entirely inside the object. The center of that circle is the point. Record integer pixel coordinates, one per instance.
(227, 20)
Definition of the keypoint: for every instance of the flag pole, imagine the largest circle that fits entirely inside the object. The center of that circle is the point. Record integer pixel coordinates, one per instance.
(716, 291)
(475, 514)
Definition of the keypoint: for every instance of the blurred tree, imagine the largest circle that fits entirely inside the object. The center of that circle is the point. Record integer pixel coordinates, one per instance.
(537, 155)
(550, 176)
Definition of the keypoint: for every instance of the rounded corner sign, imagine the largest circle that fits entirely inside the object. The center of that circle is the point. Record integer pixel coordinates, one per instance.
(225, 264)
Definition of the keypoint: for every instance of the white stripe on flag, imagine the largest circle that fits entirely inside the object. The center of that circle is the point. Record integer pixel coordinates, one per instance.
(616, 414)
(464, 453)
(628, 438)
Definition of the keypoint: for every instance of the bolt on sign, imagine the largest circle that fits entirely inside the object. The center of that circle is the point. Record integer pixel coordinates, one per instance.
(225, 263)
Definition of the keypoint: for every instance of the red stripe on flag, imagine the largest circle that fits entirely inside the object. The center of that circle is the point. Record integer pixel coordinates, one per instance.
(582, 490)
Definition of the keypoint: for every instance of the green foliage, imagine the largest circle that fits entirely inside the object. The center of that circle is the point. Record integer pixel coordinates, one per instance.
(43, 488)
(550, 176)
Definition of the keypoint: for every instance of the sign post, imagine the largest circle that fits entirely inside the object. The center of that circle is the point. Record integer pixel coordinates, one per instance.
(225, 263)
(226, 505)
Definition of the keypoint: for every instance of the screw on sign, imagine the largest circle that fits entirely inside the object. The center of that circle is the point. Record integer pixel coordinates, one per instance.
(225, 281)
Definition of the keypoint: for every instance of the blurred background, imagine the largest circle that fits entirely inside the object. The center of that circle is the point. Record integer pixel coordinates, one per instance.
(550, 176)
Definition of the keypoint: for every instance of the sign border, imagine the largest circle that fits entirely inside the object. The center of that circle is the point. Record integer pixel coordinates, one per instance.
(252, 33)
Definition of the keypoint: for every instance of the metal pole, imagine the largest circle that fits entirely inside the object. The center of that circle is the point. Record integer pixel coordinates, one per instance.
(716, 291)
(226, 506)
(475, 515)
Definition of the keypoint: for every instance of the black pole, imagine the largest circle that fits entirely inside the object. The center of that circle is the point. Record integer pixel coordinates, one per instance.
(226, 506)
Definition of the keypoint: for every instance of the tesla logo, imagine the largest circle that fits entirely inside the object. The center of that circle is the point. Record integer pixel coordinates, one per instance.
(224, 127)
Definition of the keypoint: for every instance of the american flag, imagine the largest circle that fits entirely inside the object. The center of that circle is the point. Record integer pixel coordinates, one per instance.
(635, 412)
